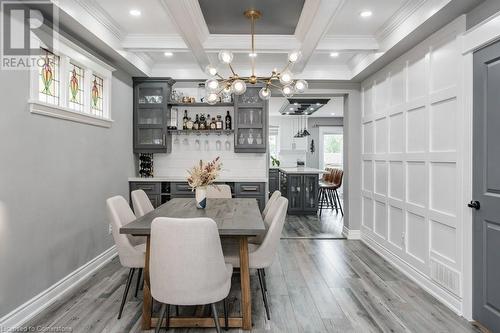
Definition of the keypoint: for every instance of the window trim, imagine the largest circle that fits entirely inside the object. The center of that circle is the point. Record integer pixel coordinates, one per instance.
(68, 53)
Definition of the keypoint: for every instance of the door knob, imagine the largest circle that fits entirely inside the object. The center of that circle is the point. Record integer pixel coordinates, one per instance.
(474, 204)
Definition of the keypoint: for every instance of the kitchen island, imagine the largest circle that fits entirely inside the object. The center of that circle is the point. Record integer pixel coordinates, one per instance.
(300, 186)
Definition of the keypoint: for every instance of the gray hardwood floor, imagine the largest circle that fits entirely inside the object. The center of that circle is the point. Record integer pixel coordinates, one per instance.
(327, 226)
(314, 286)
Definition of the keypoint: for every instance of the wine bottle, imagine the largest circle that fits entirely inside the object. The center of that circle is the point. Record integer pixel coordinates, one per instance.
(207, 122)
(228, 121)
(213, 125)
(202, 125)
(184, 120)
(196, 124)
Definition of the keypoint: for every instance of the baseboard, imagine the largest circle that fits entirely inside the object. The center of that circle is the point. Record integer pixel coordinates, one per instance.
(351, 234)
(37, 304)
(422, 280)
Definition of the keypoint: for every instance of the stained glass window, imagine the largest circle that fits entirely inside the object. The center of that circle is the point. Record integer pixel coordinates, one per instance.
(48, 83)
(76, 87)
(96, 103)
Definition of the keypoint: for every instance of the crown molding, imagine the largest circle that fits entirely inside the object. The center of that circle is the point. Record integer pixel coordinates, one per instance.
(154, 42)
(398, 18)
(100, 15)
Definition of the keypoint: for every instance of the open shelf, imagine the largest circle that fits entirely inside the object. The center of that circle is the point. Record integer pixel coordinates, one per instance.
(200, 132)
(201, 104)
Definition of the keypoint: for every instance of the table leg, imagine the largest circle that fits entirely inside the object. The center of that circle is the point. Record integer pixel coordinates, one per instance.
(246, 302)
(147, 301)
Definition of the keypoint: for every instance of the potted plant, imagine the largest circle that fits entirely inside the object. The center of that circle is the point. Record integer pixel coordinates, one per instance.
(201, 176)
(275, 162)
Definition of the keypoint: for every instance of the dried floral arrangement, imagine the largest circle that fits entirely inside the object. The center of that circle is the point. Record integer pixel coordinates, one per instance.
(204, 174)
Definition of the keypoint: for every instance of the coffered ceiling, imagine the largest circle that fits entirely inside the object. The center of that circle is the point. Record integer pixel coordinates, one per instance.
(339, 39)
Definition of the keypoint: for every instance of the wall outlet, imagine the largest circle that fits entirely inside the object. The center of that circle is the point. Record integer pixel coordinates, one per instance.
(110, 229)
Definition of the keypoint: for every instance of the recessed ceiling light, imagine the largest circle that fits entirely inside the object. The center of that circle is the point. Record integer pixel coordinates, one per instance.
(168, 54)
(333, 114)
(366, 13)
(295, 103)
(334, 54)
(318, 104)
(135, 12)
(291, 109)
(252, 55)
(312, 109)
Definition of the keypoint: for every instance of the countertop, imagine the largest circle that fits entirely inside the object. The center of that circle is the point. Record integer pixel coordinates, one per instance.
(183, 179)
(302, 170)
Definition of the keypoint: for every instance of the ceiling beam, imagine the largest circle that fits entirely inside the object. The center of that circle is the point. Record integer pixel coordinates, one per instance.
(348, 43)
(314, 22)
(191, 25)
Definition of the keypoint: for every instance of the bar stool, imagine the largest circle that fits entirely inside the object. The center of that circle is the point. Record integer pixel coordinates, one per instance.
(325, 197)
(338, 175)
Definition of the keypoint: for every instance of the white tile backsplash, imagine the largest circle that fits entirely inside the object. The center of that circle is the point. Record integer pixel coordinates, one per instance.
(186, 152)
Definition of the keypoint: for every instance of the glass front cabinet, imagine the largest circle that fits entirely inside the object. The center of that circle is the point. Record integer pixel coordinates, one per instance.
(152, 115)
(250, 123)
(301, 191)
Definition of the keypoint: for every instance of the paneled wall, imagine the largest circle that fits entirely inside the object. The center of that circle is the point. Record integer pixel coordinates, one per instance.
(412, 162)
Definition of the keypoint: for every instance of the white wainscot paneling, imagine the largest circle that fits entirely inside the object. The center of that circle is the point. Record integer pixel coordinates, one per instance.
(381, 136)
(381, 177)
(443, 129)
(444, 241)
(416, 130)
(416, 184)
(444, 59)
(396, 227)
(417, 237)
(367, 101)
(368, 175)
(396, 180)
(398, 84)
(381, 219)
(396, 133)
(368, 138)
(368, 213)
(443, 187)
(416, 78)
(381, 96)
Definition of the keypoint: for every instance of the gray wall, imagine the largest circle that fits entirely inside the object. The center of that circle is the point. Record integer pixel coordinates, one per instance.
(55, 176)
(312, 159)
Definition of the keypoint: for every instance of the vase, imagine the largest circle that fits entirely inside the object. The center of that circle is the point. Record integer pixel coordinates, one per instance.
(201, 197)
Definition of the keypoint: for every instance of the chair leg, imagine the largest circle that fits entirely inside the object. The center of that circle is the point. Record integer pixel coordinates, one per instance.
(127, 287)
(263, 274)
(163, 310)
(226, 319)
(320, 201)
(216, 318)
(138, 282)
(333, 201)
(264, 296)
(340, 205)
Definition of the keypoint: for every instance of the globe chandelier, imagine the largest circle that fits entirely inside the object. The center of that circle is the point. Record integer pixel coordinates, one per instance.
(218, 86)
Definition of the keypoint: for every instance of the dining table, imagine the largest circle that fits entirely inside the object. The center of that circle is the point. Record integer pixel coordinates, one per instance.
(237, 218)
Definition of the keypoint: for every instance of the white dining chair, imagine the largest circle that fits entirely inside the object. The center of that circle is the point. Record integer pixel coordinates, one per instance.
(268, 218)
(276, 194)
(141, 203)
(220, 191)
(131, 250)
(261, 256)
(187, 265)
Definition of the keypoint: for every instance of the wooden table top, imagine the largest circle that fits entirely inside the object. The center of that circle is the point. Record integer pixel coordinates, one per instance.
(234, 217)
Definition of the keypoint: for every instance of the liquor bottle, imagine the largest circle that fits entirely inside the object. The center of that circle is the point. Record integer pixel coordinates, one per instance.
(228, 121)
(213, 125)
(218, 123)
(196, 124)
(202, 125)
(184, 120)
(207, 122)
(189, 124)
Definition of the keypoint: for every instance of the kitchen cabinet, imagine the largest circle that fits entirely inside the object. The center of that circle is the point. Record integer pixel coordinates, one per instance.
(152, 115)
(301, 190)
(250, 122)
(274, 180)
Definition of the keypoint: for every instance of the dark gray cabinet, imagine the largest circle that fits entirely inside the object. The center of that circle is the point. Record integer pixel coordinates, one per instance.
(301, 190)
(250, 122)
(152, 115)
(161, 192)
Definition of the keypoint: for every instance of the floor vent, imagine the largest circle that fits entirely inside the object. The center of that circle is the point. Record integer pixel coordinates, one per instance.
(445, 276)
